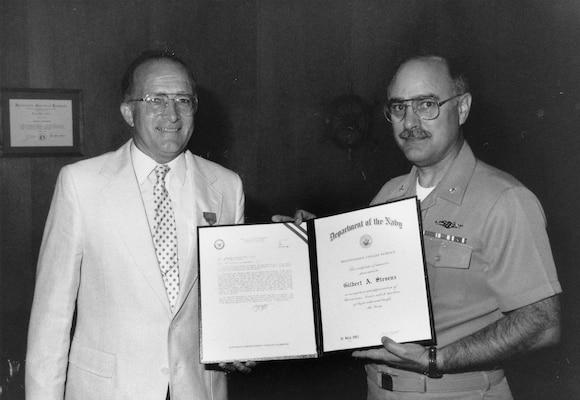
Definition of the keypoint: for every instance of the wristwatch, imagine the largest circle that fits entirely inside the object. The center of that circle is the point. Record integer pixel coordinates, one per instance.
(432, 372)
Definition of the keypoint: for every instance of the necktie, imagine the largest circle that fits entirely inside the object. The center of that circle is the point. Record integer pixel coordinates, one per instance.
(165, 235)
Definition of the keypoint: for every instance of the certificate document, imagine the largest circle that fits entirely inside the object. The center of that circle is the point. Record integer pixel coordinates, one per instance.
(40, 122)
(277, 290)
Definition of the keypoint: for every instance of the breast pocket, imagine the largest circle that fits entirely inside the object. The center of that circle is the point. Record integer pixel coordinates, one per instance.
(448, 275)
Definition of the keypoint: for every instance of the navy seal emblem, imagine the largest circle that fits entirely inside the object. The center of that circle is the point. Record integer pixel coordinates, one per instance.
(366, 241)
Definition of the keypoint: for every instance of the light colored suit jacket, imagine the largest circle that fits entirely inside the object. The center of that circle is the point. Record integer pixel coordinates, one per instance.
(97, 256)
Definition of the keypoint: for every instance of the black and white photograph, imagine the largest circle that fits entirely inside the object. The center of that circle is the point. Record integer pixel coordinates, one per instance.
(136, 135)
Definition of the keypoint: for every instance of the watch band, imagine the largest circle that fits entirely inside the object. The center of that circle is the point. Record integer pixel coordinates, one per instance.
(433, 372)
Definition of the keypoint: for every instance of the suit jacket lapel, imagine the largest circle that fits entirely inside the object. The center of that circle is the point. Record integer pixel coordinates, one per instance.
(206, 200)
(126, 206)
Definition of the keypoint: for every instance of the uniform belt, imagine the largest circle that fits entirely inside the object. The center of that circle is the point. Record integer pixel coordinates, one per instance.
(413, 382)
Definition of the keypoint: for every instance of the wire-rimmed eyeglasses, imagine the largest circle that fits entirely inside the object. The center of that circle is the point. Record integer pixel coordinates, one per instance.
(427, 108)
(155, 104)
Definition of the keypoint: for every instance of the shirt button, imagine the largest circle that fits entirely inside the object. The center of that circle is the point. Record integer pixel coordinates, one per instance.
(437, 258)
(165, 371)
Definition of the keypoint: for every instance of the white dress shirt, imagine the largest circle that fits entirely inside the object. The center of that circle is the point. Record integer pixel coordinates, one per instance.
(180, 192)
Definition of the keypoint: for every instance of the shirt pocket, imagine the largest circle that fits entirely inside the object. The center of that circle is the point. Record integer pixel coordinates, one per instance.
(446, 254)
(448, 267)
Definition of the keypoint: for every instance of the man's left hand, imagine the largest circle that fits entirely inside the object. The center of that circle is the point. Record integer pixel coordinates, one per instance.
(409, 356)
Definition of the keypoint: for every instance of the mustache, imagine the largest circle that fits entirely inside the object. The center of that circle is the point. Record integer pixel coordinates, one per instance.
(415, 133)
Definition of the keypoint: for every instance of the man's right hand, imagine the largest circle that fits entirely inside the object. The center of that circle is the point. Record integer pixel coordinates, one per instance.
(299, 217)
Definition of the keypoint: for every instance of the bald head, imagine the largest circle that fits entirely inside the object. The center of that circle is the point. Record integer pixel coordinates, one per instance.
(429, 106)
(455, 80)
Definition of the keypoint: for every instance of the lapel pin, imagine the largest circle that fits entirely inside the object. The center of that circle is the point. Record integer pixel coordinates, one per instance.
(210, 218)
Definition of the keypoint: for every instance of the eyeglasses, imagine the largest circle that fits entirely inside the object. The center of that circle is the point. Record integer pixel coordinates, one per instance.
(155, 104)
(427, 108)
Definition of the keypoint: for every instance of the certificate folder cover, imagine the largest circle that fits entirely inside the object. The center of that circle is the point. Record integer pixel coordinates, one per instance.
(341, 282)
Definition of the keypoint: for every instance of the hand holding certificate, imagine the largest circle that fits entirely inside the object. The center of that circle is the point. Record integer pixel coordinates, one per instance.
(274, 291)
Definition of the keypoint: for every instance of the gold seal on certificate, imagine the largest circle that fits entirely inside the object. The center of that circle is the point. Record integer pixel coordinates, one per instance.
(341, 282)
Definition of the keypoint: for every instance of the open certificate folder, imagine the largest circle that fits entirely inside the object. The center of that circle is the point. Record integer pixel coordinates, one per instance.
(277, 290)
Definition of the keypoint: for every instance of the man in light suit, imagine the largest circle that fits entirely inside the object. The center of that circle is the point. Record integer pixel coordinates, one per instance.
(136, 330)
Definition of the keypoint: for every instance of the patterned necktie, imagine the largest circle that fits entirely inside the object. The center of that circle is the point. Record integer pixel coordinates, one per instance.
(165, 236)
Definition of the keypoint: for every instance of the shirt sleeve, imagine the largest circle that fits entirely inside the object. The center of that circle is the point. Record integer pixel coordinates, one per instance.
(521, 269)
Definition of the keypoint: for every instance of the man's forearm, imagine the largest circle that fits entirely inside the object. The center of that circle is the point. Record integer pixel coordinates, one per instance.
(531, 327)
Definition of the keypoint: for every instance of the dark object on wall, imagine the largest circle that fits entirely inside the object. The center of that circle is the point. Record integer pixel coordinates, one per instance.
(348, 122)
(41, 122)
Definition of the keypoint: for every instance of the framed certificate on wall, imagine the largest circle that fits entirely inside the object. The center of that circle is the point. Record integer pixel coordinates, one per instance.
(41, 122)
